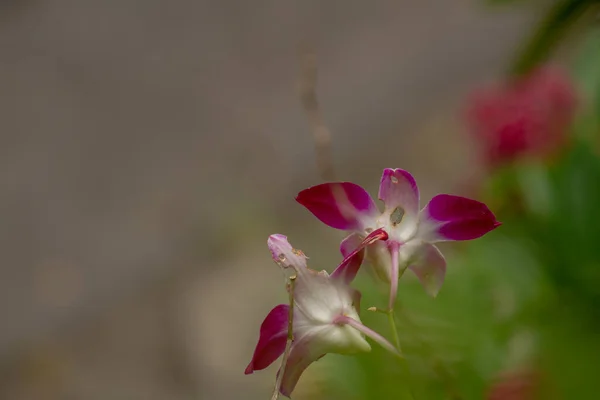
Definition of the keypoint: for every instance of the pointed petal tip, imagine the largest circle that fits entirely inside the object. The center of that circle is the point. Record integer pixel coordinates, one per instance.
(277, 238)
(285, 393)
(272, 339)
(431, 289)
(458, 218)
(278, 244)
(284, 254)
(249, 369)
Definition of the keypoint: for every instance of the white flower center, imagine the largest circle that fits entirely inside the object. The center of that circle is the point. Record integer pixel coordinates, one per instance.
(399, 226)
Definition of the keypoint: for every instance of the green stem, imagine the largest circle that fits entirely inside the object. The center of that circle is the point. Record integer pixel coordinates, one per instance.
(402, 360)
(290, 339)
(554, 26)
(392, 321)
(390, 311)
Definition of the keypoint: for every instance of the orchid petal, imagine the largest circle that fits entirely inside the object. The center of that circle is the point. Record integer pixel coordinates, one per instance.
(350, 243)
(378, 255)
(448, 217)
(356, 297)
(348, 271)
(301, 356)
(319, 298)
(284, 254)
(341, 205)
(314, 341)
(399, 192)
(429, 265)
(350, 259)
(272, 340)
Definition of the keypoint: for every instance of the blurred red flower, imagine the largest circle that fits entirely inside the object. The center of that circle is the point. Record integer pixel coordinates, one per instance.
(525, 117)
(515, 385)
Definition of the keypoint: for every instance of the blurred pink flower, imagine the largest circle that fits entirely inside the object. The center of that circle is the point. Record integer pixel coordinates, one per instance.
(515, 385)
(325, 318)
(401, 236)
(526, 117)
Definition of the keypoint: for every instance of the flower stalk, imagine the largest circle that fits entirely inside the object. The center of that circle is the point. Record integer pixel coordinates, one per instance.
(392, 322)
(403, 362)
(290, 338)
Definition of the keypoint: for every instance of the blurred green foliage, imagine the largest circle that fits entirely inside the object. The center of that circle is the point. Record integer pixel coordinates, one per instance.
(560, 19)
(586, 70)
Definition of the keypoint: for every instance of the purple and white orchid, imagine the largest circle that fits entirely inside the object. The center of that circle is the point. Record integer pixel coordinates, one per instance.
(325, 317)
(401, 236)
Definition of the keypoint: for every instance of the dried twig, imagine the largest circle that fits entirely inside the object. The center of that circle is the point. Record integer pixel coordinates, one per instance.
(307, 84)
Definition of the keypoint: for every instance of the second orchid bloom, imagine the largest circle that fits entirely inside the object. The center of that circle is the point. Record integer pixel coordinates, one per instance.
(325, 318)
(402, 236)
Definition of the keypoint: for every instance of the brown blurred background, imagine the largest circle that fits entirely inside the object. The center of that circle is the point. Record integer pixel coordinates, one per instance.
(149, 147)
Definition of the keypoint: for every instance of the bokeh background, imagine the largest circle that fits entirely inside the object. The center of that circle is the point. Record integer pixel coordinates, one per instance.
(149, 147)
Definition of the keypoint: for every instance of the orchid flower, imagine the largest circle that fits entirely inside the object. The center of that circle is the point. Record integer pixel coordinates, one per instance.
(401, 236)
(325, 317)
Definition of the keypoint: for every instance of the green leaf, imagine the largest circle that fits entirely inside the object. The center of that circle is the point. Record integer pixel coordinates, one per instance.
(550, 31)
(586, 72)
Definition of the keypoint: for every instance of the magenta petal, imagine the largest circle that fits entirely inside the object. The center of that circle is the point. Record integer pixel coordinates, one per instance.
(348, 271)
(350, 243)
(273, 337)
(451, 217)
(429, 265)
(349, 261)
(341, 205)
(398, 188)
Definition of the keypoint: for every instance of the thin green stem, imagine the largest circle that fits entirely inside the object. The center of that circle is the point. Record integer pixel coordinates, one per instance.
(556, 24)
(396, 274)
(390, 311)
(402, 360)
(392, 321)
(290, 339)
